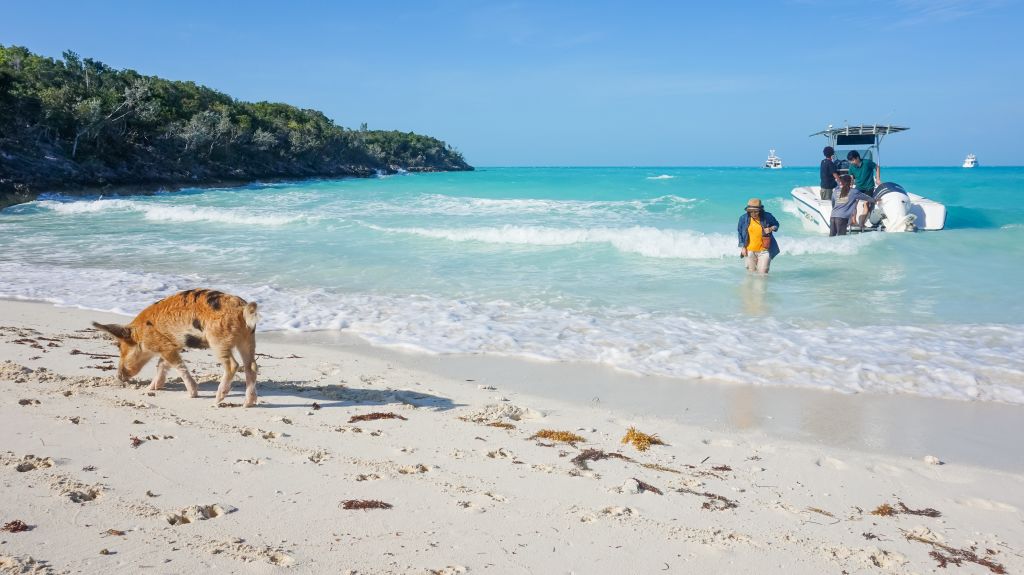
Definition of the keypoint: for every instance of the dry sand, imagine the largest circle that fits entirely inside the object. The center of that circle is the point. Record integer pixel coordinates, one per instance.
(112, 478)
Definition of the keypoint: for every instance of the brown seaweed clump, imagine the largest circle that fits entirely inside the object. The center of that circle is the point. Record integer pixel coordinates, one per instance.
(563, 436)
(643, 487)
(374, 416)
(586, 455)
(364, 504)
(501, 424)
(641, 441)
(16, 526)
(886, 510)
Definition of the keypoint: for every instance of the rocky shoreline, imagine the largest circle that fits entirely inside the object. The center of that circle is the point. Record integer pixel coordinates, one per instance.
(24, 179)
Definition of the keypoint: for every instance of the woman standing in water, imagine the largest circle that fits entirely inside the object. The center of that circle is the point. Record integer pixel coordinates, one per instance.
(756, 240)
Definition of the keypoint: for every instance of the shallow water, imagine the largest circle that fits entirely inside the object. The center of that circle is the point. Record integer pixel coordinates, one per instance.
(636, 268)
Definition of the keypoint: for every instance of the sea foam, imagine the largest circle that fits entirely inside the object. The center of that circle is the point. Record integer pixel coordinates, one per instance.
(168, 213)
(669, 344)
(645, 241)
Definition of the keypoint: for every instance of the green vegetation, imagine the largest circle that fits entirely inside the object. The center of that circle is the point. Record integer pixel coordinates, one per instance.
(76, 122)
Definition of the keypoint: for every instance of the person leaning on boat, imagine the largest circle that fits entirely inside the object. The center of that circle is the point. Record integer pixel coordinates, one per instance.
(843, 205)
(756, 240)
(829, 174)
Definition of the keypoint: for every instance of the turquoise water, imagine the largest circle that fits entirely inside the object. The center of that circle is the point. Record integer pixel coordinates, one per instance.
(636, 268)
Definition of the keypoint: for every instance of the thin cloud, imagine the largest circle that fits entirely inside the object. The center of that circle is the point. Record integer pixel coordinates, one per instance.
(924, 12)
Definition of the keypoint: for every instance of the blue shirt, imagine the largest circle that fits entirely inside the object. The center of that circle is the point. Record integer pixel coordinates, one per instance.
(768, 221)
(844, 207)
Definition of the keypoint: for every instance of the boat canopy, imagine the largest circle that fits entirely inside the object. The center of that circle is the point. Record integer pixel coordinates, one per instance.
(863, 135)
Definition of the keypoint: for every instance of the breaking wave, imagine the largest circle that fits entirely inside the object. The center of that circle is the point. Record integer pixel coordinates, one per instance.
(168, 213)
(644, 241)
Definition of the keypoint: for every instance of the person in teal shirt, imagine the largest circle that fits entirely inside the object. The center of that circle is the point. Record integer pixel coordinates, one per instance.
(866, 175)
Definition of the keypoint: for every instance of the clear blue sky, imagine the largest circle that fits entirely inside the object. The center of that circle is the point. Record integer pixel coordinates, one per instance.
(589, 83)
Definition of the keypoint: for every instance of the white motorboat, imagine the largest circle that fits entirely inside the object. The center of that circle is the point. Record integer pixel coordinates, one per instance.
(896, 210)
(971, 161)
(773, 162)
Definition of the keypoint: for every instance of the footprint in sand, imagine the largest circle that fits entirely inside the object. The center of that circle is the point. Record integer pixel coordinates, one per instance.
(719, 442)
(832, 463)
(885, 469)
(22, 564)
(496, 496)
(986, 504)
(31, 462)
(470, 506)
(83, 495)
(619, 512)
(198, 513)
(367, 477)
(449, 570)
(75, 491)
(280, 559)
(413, 469)
(501, 453)
(318, 457)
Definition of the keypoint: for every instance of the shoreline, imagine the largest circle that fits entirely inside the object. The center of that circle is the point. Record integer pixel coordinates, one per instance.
(900, 424)
(109, 476)
(16, 196)
(911, 426)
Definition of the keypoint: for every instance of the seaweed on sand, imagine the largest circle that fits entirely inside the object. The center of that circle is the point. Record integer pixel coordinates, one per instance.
(641, 441)
(944, 554)
(563, 436)
(646, 487)
(820, 511)
(374, 416)
(501, 424)
(714, 501)
(886, 510)
(586, 455)
(659, 467)
(927, 512)
(364, 504)
(16, 526)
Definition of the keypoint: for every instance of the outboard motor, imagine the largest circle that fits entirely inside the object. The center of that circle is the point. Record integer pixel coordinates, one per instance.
(892, 208)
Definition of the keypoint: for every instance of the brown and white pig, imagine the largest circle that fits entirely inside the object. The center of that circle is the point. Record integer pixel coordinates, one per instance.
(197, 318)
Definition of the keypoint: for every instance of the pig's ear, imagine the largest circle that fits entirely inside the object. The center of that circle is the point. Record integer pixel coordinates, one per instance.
(118, 331)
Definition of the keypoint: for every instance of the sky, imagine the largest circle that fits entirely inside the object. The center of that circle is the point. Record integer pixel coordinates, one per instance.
(589, 83)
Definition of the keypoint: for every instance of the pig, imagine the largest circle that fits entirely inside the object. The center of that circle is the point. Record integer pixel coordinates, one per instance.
(198, 319)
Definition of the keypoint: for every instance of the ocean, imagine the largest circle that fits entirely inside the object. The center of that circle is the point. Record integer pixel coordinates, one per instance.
(633, 268)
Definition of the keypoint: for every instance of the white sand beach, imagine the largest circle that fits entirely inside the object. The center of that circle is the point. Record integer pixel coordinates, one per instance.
(110, 478)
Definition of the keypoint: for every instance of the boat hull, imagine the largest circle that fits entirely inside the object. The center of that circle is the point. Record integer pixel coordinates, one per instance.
(930, 215)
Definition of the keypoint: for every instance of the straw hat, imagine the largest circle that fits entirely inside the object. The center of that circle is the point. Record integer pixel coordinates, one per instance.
(754, 203)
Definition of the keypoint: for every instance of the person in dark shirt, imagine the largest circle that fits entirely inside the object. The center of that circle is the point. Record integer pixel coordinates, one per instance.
(829, 174)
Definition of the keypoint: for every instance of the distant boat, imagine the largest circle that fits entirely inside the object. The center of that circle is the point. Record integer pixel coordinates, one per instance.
(773, 162)
(971, 161)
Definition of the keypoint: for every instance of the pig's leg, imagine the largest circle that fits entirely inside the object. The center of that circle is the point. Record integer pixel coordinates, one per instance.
(227, 360)
(161, 375)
